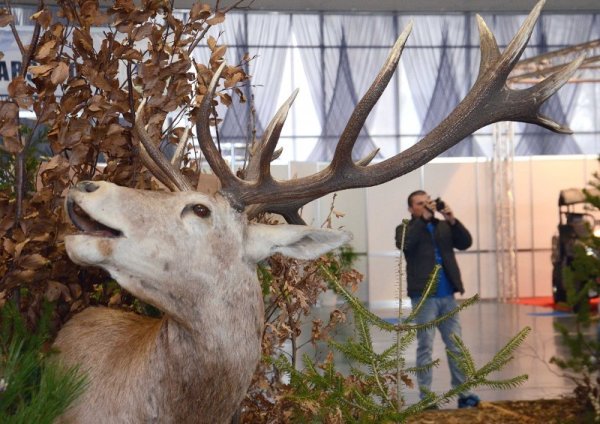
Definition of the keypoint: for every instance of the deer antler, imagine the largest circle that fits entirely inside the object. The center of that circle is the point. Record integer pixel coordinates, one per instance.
(489, 100)
(155, 161)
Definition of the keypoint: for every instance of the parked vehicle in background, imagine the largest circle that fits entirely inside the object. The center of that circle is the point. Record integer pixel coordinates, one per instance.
(577, 220)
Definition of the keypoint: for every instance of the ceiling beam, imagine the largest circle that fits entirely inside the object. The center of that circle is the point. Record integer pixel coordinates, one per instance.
(423, 6)
(401, 6)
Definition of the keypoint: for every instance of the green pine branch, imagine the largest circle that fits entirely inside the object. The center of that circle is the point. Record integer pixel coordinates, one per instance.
(374, 392)
(35, 389)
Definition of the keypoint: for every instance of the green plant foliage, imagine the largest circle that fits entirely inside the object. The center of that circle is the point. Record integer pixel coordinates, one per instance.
(33, 389)
(33, 155)
(581, 363)
(265, 278)
(374, 390)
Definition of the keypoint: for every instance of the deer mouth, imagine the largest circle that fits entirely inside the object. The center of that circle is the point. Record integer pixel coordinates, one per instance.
(88, 225)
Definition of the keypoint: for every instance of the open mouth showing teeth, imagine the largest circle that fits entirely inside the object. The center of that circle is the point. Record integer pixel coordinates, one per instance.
(87, 224)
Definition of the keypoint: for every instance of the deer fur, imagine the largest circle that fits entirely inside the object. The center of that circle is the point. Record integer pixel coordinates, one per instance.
(195, 364)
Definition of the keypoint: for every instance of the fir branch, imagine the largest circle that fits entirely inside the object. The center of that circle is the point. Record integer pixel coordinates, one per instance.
(508, 384)
(389, 352)
(355, 303)
(465, 359)
(432, 364)
(37, 389)
(503, 354)
(430, 288)
(363, 329)
(353, 351)
(430, 399)
(364, 333)
(434, 323)
(367, 404)
(400, 363)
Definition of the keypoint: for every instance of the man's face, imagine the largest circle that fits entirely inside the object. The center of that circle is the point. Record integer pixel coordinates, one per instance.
(418, 204)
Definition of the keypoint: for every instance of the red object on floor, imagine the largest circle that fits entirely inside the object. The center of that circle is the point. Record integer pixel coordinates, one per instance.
(545, 302)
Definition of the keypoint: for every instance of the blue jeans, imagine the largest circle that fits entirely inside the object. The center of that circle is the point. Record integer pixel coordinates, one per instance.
(435, 307)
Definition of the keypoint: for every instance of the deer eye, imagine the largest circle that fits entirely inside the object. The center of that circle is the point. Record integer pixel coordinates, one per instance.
(201, 211)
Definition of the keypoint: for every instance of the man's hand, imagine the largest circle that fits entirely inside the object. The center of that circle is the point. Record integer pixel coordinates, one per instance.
(428, 210)
(448, 214)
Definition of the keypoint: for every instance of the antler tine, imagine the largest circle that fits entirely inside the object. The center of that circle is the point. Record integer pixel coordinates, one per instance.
(343, 152)
(178, 155)
(155, 156)
(488, 45)
(367, 159)
(519, 42)
(276, 154)
(544, 90)
(205, 140)
(489, 100)
(259, 165)
(271, 137)
(155, 170)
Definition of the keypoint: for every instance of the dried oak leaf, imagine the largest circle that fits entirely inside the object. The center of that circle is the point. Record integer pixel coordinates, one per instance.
(90, 13)
(218, 18)
(74, 99)
(83, 43)
(200, 11)
(9, 127)
(46, 111)
(54, 290)
(23, 276)
(60, 73)
(76, 290)
(234, 79)
(225, 99)
(46, 50)
(129, 53)
(217, 54)
(97, 78)
(8, 111)
(21, 92)
(142, 31)
(5, 18)
(42, 70)
(211, 42)
(81, 153)
(6, 223)
(43, 17)
(9, 246)
(33, 261)
(54, 168)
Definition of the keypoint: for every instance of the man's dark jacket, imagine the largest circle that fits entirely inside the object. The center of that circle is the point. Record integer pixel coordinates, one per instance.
(420, 255)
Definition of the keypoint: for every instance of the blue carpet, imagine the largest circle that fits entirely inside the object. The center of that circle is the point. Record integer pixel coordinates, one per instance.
(551, 314)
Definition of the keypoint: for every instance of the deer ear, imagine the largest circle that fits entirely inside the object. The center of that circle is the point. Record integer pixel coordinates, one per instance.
(296, 241)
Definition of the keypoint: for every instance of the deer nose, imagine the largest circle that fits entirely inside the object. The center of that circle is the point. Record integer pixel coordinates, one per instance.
(87, 186)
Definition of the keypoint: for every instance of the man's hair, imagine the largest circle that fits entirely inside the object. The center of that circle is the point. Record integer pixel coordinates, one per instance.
(413, 194)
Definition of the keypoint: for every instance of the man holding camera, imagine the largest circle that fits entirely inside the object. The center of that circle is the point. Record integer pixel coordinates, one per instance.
(429, 241)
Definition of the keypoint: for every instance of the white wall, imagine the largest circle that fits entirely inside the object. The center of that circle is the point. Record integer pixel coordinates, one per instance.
(373, 214)
(468, 187)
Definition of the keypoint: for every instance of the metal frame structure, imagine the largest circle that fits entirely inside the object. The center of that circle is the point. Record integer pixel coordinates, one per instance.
(528, 71)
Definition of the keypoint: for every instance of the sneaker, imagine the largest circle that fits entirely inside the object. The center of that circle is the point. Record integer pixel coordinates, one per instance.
(470, 401)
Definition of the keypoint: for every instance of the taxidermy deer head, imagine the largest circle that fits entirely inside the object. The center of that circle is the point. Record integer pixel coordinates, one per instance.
(193, 256)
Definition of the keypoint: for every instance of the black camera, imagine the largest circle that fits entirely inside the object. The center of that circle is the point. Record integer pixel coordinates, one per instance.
(439, 204)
